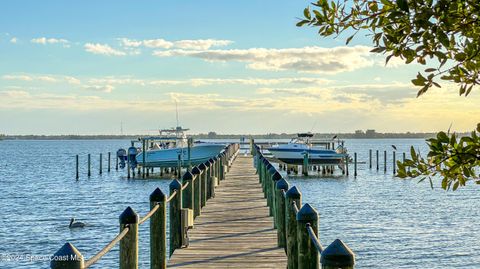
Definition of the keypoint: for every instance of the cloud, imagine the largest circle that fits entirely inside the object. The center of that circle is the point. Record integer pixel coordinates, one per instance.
(188, 44)
(17, 77)
(13, 40)
(99, 88)
(45, 41)
(41, 78)
(102, 49)
(306, 59)
(201, 44)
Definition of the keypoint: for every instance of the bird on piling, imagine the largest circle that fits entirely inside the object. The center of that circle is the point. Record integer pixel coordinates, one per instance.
(77, 224)
(394, 147)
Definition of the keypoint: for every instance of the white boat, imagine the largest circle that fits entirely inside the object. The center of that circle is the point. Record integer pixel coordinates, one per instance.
(294, 151)
(172, 147)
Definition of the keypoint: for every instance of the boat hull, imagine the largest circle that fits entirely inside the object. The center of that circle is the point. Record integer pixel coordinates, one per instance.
(317, 157)
(169, 157)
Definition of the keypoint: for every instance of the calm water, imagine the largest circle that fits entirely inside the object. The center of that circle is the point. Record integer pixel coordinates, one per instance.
(389, 223)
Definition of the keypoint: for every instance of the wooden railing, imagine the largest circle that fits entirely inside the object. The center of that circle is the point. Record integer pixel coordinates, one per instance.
(192, 193)
(297, 224)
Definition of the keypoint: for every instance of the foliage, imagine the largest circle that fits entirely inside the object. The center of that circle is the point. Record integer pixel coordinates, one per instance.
(443, 32)
(454, 159)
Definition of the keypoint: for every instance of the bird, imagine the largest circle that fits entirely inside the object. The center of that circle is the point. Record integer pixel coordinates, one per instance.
(335, 136)
(77, 224)
(394, 147)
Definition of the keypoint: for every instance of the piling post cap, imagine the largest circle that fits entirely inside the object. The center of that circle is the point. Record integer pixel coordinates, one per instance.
(276, 175)
(157, 196)
(196, 170)
(128, 216)
(265, 161)
(211, 160)
(293, 193)
(188, 176)
(307, 213)
(175, 185)
(282, 184)
(338, 254)
(66, 254)
(202, 166)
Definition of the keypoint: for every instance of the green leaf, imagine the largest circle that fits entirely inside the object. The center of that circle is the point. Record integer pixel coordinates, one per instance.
(306, 13)
(349, 39)
(460, 57)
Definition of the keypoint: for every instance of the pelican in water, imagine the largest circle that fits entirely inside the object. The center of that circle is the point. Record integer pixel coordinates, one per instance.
(77, 224)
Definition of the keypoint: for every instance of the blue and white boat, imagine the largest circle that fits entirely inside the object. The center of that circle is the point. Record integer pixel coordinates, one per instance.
(294, 151)
(173, 147)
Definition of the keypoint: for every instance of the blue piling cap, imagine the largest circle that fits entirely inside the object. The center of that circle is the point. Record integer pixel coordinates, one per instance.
(196, 170)
(338, 254)
(211, 160)
(215, 158)
(282, 184)
(207, 164)
(128, 216)
(294, 193)
(276, 175)
(187, 176)
(157, 196)
(202, 166)
(67, 254)
(307, 213)
(175, 185)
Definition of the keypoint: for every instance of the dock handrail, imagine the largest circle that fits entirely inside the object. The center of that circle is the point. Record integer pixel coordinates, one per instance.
(297, 224)
(69, 257)
(107, 248)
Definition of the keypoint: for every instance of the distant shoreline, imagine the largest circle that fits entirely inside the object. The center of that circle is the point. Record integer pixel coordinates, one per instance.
(218, 136)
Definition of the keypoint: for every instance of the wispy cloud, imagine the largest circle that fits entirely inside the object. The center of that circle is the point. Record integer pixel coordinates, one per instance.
(188, 44)
(13, 40)
(99, 88)
(103, 49)
(45, 41)
(41, 78)
(306, 59)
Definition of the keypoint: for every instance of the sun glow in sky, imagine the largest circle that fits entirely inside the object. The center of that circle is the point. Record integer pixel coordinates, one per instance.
(82, 67)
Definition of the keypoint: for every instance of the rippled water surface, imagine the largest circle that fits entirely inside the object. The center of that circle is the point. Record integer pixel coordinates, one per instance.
(388, 222)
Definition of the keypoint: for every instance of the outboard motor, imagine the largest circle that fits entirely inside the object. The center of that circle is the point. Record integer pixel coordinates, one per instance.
(122, 156)
(132, 157)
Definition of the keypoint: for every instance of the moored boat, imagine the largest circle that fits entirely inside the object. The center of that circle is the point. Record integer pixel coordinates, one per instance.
(294, 151)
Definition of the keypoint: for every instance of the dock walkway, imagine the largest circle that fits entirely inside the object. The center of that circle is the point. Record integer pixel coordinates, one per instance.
(234, 229)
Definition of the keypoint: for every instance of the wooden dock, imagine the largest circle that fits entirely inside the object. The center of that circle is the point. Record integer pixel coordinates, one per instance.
(234, 229)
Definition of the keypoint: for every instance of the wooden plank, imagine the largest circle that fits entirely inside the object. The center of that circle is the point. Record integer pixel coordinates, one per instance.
(235, 229)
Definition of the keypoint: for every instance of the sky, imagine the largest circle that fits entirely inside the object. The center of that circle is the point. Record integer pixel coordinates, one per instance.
(233, 67)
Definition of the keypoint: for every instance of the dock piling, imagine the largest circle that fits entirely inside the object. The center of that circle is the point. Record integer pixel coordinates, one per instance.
(109, 160)
(129, 244)
(337, 256)
(308, 257)
(158, 231)
(89, 173)
(175, 216)
(293, 199)
(385, 161)
(67, 257)
(355, 164)
(394, 161)
(370, 159)
(281, 187)
(77, 175)
(377, 160)
(101, 163)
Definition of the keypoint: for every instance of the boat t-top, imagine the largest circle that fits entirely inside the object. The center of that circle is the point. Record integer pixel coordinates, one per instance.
(319, 152)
